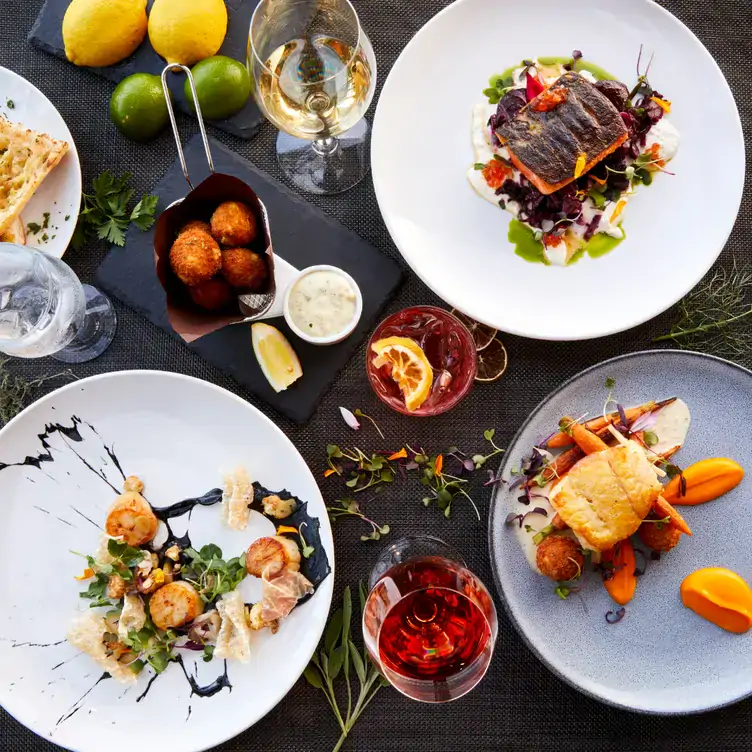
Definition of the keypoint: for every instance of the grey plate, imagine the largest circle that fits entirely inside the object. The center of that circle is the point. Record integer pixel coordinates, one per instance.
(661, 658)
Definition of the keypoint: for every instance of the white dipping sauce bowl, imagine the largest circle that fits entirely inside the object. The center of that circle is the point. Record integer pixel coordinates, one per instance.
(331, 339)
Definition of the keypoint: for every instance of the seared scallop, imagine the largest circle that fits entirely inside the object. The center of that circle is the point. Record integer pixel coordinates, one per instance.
(175, 604)
(132, 519)
(276, 552)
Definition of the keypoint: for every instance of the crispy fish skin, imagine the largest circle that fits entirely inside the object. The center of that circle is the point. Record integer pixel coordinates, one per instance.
(545, 144)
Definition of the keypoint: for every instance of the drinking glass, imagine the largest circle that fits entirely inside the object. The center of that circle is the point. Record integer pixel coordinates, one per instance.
(314, 75)
(429, 622)
(45, 310)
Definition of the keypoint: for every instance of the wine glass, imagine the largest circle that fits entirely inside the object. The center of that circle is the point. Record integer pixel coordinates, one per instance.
(429, 622)
(45, 310)
(314, 76)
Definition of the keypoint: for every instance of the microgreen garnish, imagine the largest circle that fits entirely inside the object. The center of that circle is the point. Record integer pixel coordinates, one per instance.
(650, 438)
(562, 591)
(306, 550)
(154, 646)
(10, 104)
(208, 653)
(480, 459)
(105, 212)
(124, 560)
(659, 523)
(360, 414)
(642, 87)
(351, 508)
(337, 655)
(361, 471)
(479, 166)
(542, 534)
(444, 488)
(210, 574)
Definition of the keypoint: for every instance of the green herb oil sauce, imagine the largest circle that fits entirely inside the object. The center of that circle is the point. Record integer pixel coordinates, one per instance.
(596, 70)
(530, 249)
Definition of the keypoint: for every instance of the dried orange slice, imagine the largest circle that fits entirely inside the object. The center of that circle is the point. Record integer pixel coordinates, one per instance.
(482, 335)
(492, 361)
(409, 367)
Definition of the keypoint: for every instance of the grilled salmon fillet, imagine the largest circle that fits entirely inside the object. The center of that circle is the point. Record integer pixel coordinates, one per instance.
(605, 497)
(548, 136)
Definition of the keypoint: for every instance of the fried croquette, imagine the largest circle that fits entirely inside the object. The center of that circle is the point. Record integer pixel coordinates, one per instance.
(196, 224)
(244, 269)
(195, 257)
(658, 535)
(234, 224)
(560, 558)
(214, 294)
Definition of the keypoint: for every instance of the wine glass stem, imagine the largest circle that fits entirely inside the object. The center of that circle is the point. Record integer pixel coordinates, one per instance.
(325, 147)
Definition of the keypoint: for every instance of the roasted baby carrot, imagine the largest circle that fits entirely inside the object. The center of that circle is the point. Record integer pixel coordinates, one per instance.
(621, 580)
(587, 440)
(662, 508)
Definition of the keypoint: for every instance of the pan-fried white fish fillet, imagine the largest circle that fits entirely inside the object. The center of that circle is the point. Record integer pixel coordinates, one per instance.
(606, 495)
(26, 158)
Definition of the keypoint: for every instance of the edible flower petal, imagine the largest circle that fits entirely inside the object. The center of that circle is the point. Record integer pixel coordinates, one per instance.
(664, 104)
(402, 454)
(350, 419)
(579, 167)
(88, 573)
(533, 87)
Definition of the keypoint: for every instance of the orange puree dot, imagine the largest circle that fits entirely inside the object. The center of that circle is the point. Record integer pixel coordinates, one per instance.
(720, 596)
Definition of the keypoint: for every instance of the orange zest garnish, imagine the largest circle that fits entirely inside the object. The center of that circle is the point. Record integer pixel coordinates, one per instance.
(495, 173)
(664, 104)
(619, 209)
(87, 575)
(328, 472)
(286, 529)
(579, 166)
(401, 455)
(439, 464)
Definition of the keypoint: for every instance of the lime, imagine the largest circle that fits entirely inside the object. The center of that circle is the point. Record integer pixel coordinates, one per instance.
(223, 87)
(138, 107)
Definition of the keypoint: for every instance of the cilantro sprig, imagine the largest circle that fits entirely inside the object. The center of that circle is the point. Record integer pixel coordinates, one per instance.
(210, 574)
(106, 215)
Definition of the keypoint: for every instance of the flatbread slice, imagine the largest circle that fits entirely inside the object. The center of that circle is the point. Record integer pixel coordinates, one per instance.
(26, 158)
(15, 233)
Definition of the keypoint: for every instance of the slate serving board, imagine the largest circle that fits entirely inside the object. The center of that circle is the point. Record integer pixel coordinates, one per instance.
(302, 235)
(47, 34)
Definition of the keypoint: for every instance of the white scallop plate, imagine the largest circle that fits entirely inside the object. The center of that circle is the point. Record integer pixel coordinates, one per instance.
(456, 242)
(178, 434)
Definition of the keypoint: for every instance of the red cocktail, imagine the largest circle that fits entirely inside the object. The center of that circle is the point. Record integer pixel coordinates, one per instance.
(449, 348)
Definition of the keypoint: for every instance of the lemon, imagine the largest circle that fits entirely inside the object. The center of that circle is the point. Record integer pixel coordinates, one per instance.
(186, 31)
(275, 356)
(97, 33)
(138, 107)
(409, 368)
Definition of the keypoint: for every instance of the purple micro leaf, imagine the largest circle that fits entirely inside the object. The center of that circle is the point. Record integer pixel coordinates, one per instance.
(511, 517)
(612, 617)
(622, 415)
(411, 465)
(349, 418)
(523, 499)
(645, 421)
(468, 465)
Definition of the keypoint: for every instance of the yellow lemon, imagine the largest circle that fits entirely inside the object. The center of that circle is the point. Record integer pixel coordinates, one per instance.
(409, 368)
(275, 356)
(186, 31)
(97, 33)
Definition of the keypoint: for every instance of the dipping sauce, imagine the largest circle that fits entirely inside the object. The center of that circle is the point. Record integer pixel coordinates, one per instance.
(322, 303)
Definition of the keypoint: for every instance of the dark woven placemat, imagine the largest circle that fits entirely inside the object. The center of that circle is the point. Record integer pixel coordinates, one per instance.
(520, 704)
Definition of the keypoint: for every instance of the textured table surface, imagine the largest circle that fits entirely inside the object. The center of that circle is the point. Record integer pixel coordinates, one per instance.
(520, 704)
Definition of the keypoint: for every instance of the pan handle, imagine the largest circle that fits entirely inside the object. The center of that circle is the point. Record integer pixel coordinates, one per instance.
(171, 111)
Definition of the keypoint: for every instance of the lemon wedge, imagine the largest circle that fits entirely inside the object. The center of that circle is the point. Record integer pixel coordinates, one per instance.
(409, 367)
(275, 356)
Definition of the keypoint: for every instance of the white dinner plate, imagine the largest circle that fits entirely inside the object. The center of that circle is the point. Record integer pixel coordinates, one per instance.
(60, 193)
(178, 434)
(456, 242)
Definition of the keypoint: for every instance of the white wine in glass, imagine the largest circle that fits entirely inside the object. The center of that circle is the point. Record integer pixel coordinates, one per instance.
(314, 76)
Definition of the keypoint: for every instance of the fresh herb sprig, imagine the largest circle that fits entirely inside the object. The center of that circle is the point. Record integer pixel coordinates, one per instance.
(443, 487)
(105, 213)
(153, 646)
(351, 508)
(716, 316)
(339, 656)
(15, 390)
(124, 560)
(362, 472)
(210, 574)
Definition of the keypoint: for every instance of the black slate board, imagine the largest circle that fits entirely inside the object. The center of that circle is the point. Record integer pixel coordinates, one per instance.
(47, 34)
(302, 235)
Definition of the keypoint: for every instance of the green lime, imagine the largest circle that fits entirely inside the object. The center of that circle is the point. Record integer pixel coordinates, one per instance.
(222, 85)
(138, 107)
